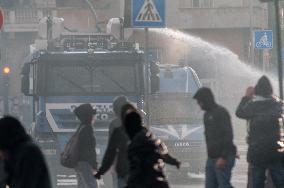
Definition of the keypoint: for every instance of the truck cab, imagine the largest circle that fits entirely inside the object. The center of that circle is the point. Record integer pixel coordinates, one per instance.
(77, 69)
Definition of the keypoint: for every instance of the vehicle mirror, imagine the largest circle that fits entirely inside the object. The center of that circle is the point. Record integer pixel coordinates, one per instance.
(25, 85)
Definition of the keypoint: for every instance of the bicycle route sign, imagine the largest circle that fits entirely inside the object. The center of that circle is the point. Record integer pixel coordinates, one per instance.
(148, 13)
(263, 39)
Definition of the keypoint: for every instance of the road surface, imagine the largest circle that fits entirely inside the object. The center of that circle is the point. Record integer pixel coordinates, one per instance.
(239, 177)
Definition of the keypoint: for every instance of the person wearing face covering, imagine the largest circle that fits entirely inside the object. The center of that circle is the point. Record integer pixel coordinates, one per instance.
(219, 140)
(146, 155)
(262, 110)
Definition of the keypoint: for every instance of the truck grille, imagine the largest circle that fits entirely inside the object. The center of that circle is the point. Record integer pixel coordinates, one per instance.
(187, 149)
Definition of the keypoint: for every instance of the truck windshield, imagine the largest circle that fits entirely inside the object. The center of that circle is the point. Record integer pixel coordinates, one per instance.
(178, 80)
(174, 108)
(87, 79)
(173, 104)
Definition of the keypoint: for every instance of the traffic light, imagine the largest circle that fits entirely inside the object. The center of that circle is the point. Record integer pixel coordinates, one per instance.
(154, 77)
(6, 70)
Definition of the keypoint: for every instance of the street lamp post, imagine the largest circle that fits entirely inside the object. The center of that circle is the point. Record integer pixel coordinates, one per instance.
(279, 45)
(6, 71)
(251, 32)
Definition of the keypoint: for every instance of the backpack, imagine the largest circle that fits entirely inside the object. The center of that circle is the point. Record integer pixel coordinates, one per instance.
(264, 148)
(70, 156)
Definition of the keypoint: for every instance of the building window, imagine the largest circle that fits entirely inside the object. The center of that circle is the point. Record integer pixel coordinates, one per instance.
(196, 3)
(69, 3)
(207, 3)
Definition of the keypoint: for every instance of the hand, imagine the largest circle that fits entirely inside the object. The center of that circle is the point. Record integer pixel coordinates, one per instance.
(97, 175)
(249, 91)
(238, 156)
(178, 164)
(221, 163)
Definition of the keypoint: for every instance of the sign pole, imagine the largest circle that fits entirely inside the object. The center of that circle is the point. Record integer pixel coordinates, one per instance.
(147, 14)
(251, 23)
(147, 75)
(5, 78)
(6, 94)
(279, 47)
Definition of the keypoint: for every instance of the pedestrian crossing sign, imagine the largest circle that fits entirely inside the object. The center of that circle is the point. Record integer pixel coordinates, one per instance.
(148, 13)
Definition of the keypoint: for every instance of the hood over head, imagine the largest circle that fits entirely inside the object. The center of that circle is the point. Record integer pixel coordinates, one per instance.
(263, 87)
(133, 124)
(85, 113)
(11, 133)
(118, 103)
(206, 97)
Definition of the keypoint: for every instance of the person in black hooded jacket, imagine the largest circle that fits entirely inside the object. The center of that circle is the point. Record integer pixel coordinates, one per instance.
(146, 155)
(263, 111)
(24, 162)
(219, 140)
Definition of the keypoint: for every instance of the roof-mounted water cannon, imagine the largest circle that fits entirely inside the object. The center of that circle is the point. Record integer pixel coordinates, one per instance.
(54, 36)
(49, 30)
(115, 27)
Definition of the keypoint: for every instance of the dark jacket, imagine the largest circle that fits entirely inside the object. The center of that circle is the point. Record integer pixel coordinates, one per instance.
(116, 149)
(2, 175)
(146, 156)
(113, 124)
(87, 145)
(218, 133)
(263, 131)
(218, 126)
(26, 167)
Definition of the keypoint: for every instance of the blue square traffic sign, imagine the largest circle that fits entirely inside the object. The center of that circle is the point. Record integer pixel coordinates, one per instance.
(263, 39)
(148, 13)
